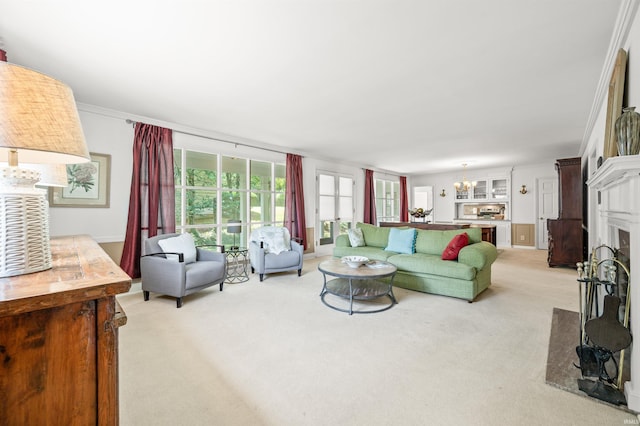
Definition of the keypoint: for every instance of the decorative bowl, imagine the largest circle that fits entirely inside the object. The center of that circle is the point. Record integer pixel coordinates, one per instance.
(354, 261)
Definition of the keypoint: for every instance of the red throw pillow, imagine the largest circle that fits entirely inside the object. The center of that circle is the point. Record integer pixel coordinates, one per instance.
(454, 247)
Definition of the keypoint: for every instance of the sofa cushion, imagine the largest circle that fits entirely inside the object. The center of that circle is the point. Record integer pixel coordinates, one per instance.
(183, 243)
(356, 238)
(454, 246)
(402, 240)
(435, 241)
(374, 236)
(372, 253)
(432, 265)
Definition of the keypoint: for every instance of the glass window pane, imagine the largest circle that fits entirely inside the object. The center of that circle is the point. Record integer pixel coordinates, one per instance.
(260, 175)
(346, 186)
(203, 236)
(178, 206)
(379, 188)
(201, 207)
(326, 185)
(326, 232)
(280, 197)
(281, 177)
(261, 206)
(327, 209)
(344, 227)
(201, 169)
(229, 239)
(233, 206)
(177, 166)
(345, 210)
(234, 173)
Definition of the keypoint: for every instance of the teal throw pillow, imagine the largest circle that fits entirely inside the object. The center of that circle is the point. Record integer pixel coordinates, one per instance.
(356, 238)
(402, 240)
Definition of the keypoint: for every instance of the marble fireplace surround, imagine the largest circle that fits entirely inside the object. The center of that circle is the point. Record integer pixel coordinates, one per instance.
(617, 186)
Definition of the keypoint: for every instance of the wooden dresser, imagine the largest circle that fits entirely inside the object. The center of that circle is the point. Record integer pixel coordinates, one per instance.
(566, 232)
(59, 339)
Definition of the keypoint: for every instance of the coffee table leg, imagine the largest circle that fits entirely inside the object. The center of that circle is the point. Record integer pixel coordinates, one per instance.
(324, 286)
(350, 298)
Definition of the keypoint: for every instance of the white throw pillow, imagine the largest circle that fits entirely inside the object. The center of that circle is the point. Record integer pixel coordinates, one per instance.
(275, 239)
(356, 238)
(181, 244)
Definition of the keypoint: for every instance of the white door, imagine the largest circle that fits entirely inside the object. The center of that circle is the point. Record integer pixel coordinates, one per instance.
(547, 209)
(335, 210)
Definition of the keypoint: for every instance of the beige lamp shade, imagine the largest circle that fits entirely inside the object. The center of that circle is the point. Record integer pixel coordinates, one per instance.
(38, 118)
(54, 175)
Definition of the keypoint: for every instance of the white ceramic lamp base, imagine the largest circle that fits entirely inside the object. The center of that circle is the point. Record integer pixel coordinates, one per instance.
(24, 223)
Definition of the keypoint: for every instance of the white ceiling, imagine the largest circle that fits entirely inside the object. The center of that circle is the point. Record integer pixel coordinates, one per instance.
(396, 85)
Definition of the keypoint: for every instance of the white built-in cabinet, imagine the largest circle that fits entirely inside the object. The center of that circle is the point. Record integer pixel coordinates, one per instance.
(486, 193)
(493, 189)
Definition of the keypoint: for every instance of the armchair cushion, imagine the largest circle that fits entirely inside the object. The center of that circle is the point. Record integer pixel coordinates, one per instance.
(181, 244)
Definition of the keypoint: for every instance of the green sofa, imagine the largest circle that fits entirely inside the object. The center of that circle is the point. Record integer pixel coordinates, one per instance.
(425, 270)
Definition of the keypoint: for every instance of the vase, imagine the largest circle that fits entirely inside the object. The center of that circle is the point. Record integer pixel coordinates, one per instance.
(627, 129)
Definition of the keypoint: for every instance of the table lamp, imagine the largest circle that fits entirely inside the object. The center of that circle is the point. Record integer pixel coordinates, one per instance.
(234, 227)
(39, 123)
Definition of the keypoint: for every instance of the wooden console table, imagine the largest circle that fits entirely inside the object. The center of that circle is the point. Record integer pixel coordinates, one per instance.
(59, 339)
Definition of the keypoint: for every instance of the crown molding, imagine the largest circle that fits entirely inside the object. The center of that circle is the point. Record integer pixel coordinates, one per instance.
(624, 21)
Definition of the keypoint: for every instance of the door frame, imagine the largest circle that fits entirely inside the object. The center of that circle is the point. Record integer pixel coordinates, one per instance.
(327, 249)
(542, 241)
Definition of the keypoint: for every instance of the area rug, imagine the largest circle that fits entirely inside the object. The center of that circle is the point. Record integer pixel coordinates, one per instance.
(562, 358)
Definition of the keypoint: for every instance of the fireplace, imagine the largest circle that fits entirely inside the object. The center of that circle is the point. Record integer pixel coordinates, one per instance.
(616, 186)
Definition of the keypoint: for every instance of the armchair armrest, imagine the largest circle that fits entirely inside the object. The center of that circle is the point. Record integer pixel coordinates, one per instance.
(220, 246)
(204, 254)
(162, 255)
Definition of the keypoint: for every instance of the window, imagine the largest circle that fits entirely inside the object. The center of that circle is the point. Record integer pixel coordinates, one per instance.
(215, 189)
(387, 201)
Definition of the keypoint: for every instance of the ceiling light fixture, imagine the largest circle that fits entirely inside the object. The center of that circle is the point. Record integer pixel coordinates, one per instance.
(465, 184)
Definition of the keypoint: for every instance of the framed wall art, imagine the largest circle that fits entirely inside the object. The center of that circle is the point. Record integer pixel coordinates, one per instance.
(614, 104)
(88, 184)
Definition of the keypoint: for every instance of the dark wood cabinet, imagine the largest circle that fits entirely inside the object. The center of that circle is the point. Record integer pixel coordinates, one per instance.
(59, 339)
(566, 237)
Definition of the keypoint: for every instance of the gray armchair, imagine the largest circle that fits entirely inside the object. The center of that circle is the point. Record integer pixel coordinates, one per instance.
(178, 273)
(267, 255)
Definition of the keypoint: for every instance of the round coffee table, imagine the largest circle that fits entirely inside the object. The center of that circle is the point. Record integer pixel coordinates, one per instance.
(359, 284)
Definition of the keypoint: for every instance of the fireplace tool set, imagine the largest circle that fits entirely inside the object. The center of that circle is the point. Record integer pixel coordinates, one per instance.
(603, 334)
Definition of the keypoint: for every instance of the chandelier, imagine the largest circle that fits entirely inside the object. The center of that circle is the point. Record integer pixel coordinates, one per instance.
(465, 184)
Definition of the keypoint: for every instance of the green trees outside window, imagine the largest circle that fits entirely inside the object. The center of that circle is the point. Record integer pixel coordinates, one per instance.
(215, 189)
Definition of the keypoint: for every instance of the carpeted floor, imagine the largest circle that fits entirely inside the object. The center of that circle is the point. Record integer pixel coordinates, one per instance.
(562, 357)
(272, 353)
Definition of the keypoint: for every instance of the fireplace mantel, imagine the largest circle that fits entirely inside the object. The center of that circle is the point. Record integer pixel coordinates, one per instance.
(617, 183)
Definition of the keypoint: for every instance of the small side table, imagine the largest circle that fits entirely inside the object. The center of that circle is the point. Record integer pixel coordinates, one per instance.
(237, 259)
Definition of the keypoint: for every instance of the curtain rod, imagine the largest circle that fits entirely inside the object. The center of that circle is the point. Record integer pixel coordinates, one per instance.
(128, 121)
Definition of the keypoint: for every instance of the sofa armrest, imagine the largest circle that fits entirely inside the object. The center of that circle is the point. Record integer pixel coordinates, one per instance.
(343, 241)
(479, 255)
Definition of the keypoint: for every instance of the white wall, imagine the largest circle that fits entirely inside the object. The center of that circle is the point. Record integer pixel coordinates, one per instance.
(107, 132)
(523, 207)
(104, 135)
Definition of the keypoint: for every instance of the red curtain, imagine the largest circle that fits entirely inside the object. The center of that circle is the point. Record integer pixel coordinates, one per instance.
(404, 200)
(369, 198)
(152, 197)
(294, 219)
